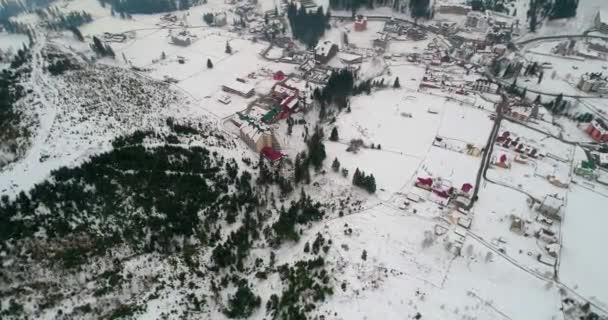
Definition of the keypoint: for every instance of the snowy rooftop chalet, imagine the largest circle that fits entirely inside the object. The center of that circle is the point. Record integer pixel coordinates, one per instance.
(240, 88)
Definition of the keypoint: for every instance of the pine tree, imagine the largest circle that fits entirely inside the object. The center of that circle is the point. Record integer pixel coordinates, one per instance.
(334, 134)
(163, 56)
(209, 64)
(335, 165)
(228, 48)
(396, 84)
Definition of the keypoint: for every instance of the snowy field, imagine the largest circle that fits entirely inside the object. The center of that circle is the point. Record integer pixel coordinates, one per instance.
(583, 226)
(12, 42)
(400, 278)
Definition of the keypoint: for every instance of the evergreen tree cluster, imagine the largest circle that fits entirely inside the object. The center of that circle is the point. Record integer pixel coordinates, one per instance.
(494, 5)
(557, 106)
(306, 26)
(300, 212)
(306, 283)
(144, 198)
(57, 20)
(11, 8)
(420, 8)
(340, 85)
(243, 302)
(147, 6)
(104, 50)
(360, 179)
(564, 9)
(11, 91)
(316, 149)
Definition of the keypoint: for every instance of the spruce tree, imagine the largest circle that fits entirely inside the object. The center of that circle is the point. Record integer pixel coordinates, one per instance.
(396, 84)
(228, 48)
(209, 64)
(334, 134)
(335, 165)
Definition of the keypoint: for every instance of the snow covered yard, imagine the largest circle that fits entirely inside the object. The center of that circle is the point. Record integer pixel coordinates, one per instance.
(583, 263)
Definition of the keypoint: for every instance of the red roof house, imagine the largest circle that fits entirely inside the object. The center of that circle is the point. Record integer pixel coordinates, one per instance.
(278, 76)
(466, 187)
(271, 154)
(424, 183)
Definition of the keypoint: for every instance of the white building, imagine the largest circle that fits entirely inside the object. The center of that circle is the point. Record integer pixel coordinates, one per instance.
(551, 207)
(239, 87)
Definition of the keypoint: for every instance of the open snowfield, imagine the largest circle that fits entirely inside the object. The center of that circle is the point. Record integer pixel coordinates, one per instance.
(410, 270)
(583, 229)
(401, 278)
(493, 212)
(12, 42)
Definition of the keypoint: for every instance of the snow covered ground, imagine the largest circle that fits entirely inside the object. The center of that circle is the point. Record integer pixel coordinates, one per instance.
(498, 275)
(583, 227)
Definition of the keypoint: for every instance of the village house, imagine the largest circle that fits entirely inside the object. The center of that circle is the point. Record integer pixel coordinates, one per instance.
(350, 58)
(360, 23)
(239, 87)
(325, 50)
(381, 41)
(597, 130)
(475, 20)
(551, 207)
(597, 45)
(257, 136)
(183, 38)
(593, 82)
(520, 112)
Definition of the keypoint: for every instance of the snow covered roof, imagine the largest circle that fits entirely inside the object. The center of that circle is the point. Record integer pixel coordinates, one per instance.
(552, 202)
(239, 86)
(324, 48)
(603, 158)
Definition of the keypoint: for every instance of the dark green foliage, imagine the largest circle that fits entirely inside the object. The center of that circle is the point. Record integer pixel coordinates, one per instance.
(133, 195)
(73, 19)
(420, 8)
(334, 134)
(564, 9)
(60, 65)
(335, 166)
(300, 212)
(306, 283)
(208, 18)
(228, 48)
(10, 92)
(126, 311)
(104, 50)
(364, 181)
(243, 302)
(306, 26)
(148, 6)
(316, 149)
(339, 86)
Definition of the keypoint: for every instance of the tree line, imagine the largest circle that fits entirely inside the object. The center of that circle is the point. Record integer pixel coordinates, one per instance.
(306, 26)
(147, 6)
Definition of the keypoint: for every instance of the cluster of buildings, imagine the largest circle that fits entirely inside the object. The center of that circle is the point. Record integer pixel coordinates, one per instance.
(442, 192)
(256, 123)
(411, 32)
(593, 82)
